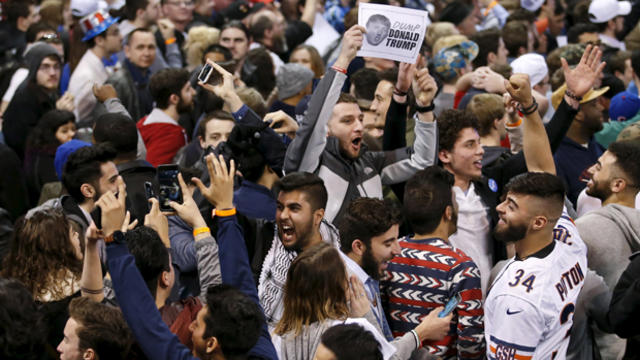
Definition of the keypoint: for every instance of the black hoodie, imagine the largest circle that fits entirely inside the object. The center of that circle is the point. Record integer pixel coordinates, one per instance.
(30, 101)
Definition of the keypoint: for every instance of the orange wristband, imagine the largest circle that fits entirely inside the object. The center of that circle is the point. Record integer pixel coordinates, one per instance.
(200, 230)
(170, 41)
(226, 212)
(516, 124)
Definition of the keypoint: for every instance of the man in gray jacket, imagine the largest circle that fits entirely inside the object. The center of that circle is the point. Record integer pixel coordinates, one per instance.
(342, 160)
(132, 81)
(612, 233)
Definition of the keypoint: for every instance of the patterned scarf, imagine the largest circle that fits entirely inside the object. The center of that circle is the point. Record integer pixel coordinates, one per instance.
(274, 272)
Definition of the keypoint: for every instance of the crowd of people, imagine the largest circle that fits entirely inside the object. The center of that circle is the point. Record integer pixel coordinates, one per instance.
(479, 203)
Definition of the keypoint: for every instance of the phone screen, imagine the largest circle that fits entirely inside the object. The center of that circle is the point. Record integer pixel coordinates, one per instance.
(205, 73)
(451, 304)
(169, 187)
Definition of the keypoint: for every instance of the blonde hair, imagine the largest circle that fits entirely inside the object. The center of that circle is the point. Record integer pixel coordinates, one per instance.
(200, 38)
(252, 98)
(448, 41)
(51, 12)
(315, 290)
(487, 108)
(438, 30)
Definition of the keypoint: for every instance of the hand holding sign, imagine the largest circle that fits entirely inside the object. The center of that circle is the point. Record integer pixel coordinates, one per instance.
(351, 43)
(424, 87)
(393, 32)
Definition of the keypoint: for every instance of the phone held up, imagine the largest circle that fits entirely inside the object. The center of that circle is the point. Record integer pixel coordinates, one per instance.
(169, 187)
(209, 75)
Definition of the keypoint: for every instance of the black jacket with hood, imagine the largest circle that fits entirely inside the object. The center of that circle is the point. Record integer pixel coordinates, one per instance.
(30, 101)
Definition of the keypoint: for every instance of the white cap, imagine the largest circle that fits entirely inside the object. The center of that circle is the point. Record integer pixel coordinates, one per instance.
(533, 65)
(604, 10)
(82, 8)
(531, 5)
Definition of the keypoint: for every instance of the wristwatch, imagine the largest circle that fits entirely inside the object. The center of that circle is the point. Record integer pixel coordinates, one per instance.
(117, 237)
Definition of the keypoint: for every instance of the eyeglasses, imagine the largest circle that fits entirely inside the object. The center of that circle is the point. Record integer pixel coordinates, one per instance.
(185, 3)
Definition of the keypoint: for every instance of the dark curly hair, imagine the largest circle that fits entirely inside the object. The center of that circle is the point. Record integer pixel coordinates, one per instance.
(43, 135)
(22, 329)
(41, 254)
(450, 124)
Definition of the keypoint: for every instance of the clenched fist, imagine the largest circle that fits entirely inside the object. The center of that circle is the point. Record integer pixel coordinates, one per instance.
(519, 87)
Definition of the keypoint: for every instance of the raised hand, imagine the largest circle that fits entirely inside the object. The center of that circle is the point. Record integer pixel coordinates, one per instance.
(351, 43)
(66, 102)
(489, 80)
(519, 87)
(287, 125)
(406, 73)
(581, 78)
(156, 220)
(220, 192)
(113, 209)
(166, 28)
(424, 87)
(223, 89)
(104, 92)
(188, 210)
(357, 298)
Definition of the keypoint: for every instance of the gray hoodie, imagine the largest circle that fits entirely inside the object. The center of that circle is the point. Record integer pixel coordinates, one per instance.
(612, 234)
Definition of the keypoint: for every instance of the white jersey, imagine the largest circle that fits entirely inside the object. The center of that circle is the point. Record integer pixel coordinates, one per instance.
(529, 309)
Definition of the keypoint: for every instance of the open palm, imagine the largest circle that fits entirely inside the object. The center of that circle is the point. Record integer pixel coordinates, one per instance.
(581, 78)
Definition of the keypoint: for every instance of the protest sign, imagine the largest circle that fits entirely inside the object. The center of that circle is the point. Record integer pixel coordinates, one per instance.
(393, 32)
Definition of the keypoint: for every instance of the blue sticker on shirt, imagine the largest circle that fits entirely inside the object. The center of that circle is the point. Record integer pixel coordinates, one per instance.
(493, 185)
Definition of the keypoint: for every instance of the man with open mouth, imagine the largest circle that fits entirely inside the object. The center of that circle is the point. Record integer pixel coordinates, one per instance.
(329, 140)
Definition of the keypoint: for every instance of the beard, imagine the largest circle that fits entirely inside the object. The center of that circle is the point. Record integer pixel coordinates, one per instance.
(303, 237)
(600, 190)
(370, 265)
(183, 107)
(510, 233)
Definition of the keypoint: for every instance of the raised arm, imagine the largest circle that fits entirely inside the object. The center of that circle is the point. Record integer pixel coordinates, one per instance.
(304, 152)
(206, 247)
(401, 164)
(535, 143)
(234, 261)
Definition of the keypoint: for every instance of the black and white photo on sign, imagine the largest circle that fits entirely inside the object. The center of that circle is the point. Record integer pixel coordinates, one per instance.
(393, 32)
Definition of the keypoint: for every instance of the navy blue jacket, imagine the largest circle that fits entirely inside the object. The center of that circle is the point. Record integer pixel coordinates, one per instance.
(139, 308)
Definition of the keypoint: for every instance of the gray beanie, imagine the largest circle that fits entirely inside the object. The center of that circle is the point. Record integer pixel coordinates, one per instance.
(291, 79)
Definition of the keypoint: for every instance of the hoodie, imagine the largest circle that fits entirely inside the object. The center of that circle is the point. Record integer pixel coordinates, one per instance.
(612, 234)
(30, 101)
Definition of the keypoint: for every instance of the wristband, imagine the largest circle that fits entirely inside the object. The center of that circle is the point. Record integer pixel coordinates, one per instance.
(339, 69)
(200, 230)
(529, 110)
(573, 96)
(92, 292)
(415, 335)
(170, 41)
(397, 91)
(425, 109)
(516, 124)
(226, 212)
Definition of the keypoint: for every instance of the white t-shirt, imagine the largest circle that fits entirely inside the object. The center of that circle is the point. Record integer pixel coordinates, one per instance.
(18, 77)
(529, 308)
(474, 231)
(588, 203)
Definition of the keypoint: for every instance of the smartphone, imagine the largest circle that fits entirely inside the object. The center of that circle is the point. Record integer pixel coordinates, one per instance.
(169, 187)
(96, 215)
(148, 190)
(451, 304)
(209, 75)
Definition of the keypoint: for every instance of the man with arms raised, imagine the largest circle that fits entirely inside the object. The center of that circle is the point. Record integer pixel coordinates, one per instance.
(529, 307)
(348, 168)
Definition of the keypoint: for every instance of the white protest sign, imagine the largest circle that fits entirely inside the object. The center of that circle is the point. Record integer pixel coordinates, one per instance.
(393, 32)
